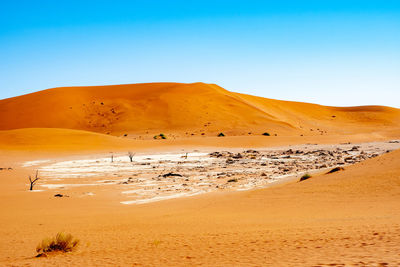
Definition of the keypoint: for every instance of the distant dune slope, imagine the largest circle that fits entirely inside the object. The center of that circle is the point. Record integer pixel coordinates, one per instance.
(184, 109)
(59, 140)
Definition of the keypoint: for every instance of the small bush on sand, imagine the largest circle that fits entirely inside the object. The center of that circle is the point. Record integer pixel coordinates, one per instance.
(266, 134)
(221, 135)
(61, 242)
(305, 177)
(160, 136)
(335, 170)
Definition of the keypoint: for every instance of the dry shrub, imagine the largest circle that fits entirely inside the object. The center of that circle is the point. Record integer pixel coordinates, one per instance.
(335, 170)
(61, 242)
(305, 177)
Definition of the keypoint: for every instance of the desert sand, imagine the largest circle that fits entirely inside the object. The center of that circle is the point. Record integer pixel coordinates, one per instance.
(347, 218)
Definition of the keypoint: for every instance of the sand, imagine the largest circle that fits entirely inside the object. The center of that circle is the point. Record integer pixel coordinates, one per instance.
(146, 178)
(347, 218)
(183, 110)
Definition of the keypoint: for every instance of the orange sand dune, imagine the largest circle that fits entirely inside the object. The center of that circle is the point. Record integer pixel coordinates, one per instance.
(54, 140)
(348, 218)
(58, 140)
(182, 110)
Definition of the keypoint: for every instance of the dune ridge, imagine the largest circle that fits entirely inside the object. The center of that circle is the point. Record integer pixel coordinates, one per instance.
(184, 110)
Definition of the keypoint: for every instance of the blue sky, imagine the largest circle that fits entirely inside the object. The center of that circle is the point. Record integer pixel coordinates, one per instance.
(329, 52)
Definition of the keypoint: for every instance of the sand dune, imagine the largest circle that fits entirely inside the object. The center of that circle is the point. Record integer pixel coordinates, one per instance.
(53, 141)
(182, 110)
(48, 139)
(348, 218)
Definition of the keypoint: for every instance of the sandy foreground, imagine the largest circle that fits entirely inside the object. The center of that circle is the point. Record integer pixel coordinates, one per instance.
(347, 218)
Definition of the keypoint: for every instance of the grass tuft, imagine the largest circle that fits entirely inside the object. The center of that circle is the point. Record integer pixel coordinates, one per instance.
(61, 242)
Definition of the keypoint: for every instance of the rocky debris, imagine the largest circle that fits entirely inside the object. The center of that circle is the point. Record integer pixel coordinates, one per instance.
(230, 170)
(221, 154)
(237, 156)
(60, 195)
(230, 161)
(130, 180)
(170, 174)
(251, 152)
(289, 152)
(215, 154)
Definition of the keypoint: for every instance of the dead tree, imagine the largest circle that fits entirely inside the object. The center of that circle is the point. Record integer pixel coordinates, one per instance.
(33, 182)
(130, 155)
(112, 158)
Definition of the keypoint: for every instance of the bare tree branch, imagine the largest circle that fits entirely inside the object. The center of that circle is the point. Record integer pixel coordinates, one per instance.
(130, 155)
(33, 182)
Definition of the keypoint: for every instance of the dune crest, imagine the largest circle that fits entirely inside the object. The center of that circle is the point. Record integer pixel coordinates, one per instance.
(184, 109)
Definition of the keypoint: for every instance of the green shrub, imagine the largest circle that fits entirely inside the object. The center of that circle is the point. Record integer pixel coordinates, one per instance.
(266, 134)
(305, 177)
(221, 135)
(335, 170)
(160, 136)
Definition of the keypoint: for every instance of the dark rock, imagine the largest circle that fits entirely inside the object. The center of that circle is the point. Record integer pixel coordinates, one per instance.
(290, 151)
(230, 161)
(237, 156)
(170, 174)
(60, 195)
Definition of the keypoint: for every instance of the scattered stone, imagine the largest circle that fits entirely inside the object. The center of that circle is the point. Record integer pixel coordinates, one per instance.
(170, 174)
(237, 156)
(229, 170)
(289, 152)
(229, 161)
(60, 195)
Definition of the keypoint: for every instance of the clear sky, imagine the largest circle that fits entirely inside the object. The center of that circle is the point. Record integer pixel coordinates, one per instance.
(330, 52)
